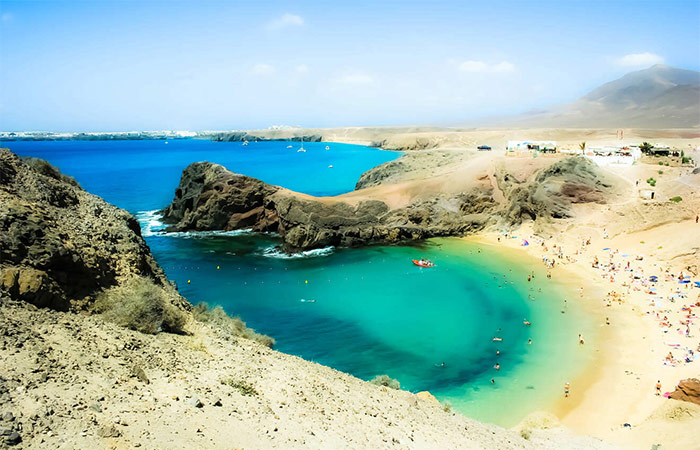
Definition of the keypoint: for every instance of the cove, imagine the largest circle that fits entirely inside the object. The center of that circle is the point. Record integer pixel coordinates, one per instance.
(362, 311)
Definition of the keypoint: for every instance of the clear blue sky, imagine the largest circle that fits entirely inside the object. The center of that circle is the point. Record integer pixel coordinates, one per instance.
(140, 65)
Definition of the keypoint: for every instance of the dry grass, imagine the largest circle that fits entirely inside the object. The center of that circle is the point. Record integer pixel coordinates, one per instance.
(233, 326)
(141, 305)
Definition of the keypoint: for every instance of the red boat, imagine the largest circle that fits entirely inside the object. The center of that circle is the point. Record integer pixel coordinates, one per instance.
(423, 263)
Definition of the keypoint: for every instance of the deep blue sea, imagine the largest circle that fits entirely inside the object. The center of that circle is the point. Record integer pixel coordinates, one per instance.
(363, 311)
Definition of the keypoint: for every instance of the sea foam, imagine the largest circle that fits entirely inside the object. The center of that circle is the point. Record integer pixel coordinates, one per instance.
(152, 225)
(276, 252)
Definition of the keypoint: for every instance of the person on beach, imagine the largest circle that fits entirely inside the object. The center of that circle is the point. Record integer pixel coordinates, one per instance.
(696, 218)
(658, 387)
(566, 389)
(580, 339)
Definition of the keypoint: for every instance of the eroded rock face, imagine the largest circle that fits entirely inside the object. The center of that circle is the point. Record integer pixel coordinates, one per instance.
(550, 194)
(60, 245)
(688, 391)
(211, 197)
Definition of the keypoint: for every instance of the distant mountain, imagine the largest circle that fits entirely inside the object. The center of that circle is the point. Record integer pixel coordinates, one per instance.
(657, 97)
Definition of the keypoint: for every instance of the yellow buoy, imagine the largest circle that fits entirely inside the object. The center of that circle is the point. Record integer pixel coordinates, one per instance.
(306, 281)
(188, 281)
(217, 267)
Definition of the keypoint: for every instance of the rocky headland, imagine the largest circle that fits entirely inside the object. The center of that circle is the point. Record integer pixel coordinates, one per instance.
(211, 197)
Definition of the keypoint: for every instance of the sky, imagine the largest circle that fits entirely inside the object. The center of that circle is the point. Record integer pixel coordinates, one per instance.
(108, 65)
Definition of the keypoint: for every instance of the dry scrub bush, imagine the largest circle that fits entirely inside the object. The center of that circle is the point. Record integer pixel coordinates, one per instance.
(386, 380)
(141, 305)
(233, 326)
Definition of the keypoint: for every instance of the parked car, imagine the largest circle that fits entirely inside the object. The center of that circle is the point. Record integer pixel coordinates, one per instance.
(483, 147)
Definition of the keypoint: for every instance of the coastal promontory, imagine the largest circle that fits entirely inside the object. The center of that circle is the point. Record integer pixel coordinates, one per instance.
(211, 197)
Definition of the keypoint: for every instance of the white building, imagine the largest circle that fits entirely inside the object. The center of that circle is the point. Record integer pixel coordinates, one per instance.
(530, 146)
(606, 156)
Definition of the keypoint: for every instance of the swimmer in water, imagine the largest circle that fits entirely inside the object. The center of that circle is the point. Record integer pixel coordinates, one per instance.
(497, 366)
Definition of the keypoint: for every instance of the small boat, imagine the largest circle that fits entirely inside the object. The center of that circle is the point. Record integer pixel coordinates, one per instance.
(245, 143)
(327, 147)
(423, 263)
(331, 166)
(289, 146)
(301, 149)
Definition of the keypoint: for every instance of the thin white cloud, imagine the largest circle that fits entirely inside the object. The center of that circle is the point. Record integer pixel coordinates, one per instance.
(262, 69)
(503, 66)
(302, 69)
(284, 21)
(484, 67)
(640, 59)
(355, 78)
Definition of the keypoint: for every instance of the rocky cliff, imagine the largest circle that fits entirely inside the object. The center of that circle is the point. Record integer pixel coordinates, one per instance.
(266, 135)
(59, 245)
(553, 190)
(210, 197)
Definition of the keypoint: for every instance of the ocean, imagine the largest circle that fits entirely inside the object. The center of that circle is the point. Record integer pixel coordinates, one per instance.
(365, 311)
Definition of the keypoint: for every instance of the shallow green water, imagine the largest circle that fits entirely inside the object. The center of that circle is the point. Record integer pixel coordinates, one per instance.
(371, 311)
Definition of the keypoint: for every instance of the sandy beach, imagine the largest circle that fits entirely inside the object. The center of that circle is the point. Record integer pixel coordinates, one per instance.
(619, 388)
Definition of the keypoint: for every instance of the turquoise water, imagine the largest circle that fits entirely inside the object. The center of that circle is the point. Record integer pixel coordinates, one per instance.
(143, 175)
(363, 311)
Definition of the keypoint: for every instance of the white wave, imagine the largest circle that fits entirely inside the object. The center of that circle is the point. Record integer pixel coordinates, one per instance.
(150, 222)
(204, 234)
(151, 225)
(275, 252)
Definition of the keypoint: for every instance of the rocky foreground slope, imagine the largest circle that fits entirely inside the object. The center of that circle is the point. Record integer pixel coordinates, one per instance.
(71, 379)
(211, 197)
(60, 245)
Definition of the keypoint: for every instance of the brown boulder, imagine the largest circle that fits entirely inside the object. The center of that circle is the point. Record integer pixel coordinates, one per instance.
(688, 391)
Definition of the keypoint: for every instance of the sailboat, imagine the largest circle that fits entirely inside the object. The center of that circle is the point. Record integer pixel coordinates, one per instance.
(301, 149)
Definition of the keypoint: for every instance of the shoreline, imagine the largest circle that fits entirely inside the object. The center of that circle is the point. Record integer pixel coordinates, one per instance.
(584, 379)
(618, 386)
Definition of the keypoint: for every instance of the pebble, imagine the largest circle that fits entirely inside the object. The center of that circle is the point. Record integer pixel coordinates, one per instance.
(194, 401)
(13, 439)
